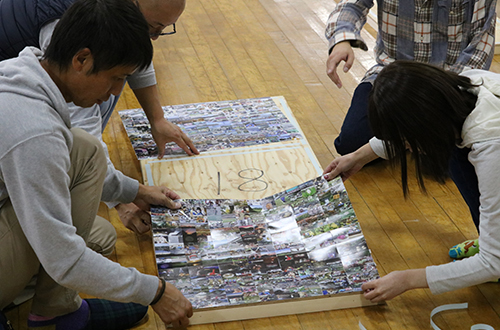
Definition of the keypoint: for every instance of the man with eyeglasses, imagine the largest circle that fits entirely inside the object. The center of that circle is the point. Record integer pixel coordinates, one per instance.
(22, 26)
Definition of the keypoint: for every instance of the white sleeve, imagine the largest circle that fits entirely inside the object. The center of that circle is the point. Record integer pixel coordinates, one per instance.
(485, 265)
(378, 147)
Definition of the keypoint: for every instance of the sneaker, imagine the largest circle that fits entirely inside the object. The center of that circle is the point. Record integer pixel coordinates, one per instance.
(4, 323)
(464, 249)
(95, 314)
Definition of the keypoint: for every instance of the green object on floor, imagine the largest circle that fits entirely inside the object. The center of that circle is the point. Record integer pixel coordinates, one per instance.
(464, 249)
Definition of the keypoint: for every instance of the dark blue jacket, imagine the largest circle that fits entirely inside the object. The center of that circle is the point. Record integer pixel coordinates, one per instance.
(22, 20)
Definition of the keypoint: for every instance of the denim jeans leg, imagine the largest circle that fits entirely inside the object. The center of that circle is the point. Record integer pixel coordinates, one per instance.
(355, 131)
(462, 172)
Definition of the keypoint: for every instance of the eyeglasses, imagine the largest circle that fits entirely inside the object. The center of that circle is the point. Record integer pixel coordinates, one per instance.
(161, 33)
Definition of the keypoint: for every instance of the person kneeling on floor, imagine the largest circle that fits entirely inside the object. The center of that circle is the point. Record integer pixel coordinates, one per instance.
(51, 176)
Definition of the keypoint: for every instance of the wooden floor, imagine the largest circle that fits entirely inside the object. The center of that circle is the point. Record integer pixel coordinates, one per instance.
(230, 49)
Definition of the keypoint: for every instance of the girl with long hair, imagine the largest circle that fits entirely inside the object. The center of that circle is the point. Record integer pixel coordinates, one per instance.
(451, 125)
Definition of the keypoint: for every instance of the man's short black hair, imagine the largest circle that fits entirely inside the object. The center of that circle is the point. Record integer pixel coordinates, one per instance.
(115, 31)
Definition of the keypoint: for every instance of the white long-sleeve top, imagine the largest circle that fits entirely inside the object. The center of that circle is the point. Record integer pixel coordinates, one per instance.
(480, 133)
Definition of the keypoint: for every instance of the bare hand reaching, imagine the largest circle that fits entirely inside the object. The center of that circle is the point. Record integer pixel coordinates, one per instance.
(345, 166)
(164, 131)
(349, 164)
(340, 52)
(394, 284)
(173, 308)
(134, 218)
(153, 195)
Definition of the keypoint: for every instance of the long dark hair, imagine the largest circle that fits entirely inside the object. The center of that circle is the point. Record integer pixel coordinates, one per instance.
(422, 107)
(115, 31)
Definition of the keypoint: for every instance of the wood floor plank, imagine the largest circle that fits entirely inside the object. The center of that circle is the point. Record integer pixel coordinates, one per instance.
(205, 53)
(316, 321)
(287, 322)
(234, 325)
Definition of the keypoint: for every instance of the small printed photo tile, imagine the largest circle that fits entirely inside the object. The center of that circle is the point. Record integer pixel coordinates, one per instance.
(225, 236)
(360, 268)
(208, 299)
(203, 271)
(294, 261)
(172, 261)
(166, 249)
(266, 292)
(281, 225)
(209, 259)
(352, 246)
(256, 266)
(329, 223)
(289, 236)
(301, 261)
(251, 295)
(328, 253)
(179, 276)
(271, 264)
(234, 293)
(169, 236)
(279, 212)
(172, 274)
(319, 241)
(310, 288)
(233, 258)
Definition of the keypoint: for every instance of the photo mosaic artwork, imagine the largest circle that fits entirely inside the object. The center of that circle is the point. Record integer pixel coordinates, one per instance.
(214, 125)
(303, 242)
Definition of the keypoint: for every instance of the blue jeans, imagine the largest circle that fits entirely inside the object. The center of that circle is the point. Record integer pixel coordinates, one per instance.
(462, 172)
(356, 132)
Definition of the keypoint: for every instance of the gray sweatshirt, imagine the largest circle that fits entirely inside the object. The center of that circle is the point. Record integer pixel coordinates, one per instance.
(481, 133)
(35, 142)
(118, 188)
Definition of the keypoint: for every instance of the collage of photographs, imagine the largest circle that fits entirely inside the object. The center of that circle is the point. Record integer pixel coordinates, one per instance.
(303, 242)
(214, 125)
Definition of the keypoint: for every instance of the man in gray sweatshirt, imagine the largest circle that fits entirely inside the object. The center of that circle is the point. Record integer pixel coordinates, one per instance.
(31, 23)
(51, 176)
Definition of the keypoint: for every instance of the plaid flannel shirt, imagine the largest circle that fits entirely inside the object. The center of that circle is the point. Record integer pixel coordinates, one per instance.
(452, 34)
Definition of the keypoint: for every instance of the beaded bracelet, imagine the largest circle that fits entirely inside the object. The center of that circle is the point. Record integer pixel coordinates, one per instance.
(159, 294)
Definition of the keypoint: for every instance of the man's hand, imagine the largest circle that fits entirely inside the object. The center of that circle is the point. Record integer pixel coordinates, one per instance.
(340, 52)
(173, 308)
(164, 131)
(134, 218)
(153, 195)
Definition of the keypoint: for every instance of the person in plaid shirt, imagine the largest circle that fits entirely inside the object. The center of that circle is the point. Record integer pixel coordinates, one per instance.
(451, 34)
